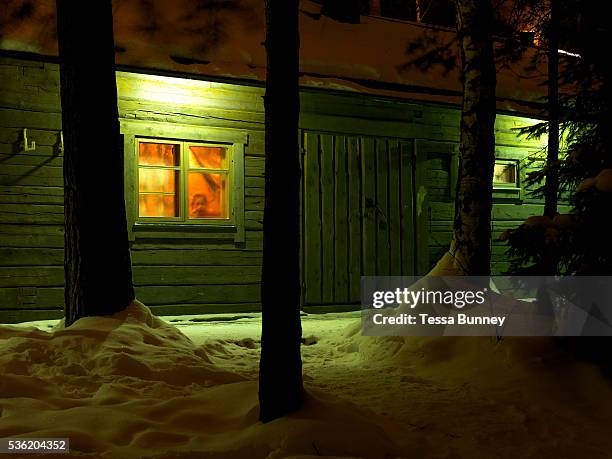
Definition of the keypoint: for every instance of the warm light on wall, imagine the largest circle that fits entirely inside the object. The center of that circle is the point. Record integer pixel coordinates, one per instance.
(169, 90)
(517, 123)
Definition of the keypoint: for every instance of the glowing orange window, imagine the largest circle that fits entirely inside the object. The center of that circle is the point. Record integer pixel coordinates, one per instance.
(207, 182)
(183, 181)
(158, 179)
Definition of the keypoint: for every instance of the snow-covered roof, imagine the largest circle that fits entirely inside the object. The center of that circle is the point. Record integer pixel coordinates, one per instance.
(225, 40)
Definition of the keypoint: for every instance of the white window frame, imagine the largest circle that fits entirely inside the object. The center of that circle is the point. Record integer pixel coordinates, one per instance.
(506, 191)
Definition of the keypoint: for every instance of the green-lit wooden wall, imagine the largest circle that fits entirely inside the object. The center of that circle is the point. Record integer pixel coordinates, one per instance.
(172, 275)
(409, 227)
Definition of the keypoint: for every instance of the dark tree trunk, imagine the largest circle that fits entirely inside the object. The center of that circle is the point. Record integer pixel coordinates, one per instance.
(551, 186)
(472, 228)
(280, 373)
(97, 258)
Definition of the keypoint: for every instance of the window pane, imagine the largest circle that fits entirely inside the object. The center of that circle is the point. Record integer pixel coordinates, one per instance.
(158, 154)
(208, 195)
(207, 157)
(505, 173)
(158, 205)
(157, 180)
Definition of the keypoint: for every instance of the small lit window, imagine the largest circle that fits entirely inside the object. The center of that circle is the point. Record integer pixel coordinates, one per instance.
(505, 174)
(506, 181)
(183, 181)
(158, 180)
(208, 182)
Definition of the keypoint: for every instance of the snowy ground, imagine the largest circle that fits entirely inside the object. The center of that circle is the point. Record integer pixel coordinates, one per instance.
(136, 386)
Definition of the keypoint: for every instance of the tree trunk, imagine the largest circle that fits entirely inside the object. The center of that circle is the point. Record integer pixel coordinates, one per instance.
(280, 373)
(471, 246)
(551, 186)
(97, 258)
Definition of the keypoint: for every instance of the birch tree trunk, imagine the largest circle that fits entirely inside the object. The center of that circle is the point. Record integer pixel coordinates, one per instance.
(280, 371)
(551, 186)
(98, 272)
(471, 246)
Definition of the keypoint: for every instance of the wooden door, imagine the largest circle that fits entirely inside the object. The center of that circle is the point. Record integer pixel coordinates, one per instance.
(357, 214)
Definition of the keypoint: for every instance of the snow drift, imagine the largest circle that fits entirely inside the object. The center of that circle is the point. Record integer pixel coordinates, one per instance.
(132, 385)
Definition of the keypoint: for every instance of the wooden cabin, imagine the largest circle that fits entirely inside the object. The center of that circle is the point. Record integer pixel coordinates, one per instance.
(379, 152)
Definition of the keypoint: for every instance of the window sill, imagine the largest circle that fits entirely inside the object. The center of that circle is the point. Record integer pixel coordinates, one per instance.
(513, 195)
(162, 230)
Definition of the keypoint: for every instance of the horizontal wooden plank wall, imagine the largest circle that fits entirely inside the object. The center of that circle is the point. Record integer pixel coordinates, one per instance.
(436, 134)
(175, 276)
(442, 158)
(171, 276)
(31, 193)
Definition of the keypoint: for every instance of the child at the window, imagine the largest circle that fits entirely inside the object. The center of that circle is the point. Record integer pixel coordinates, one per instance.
(199, 206)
